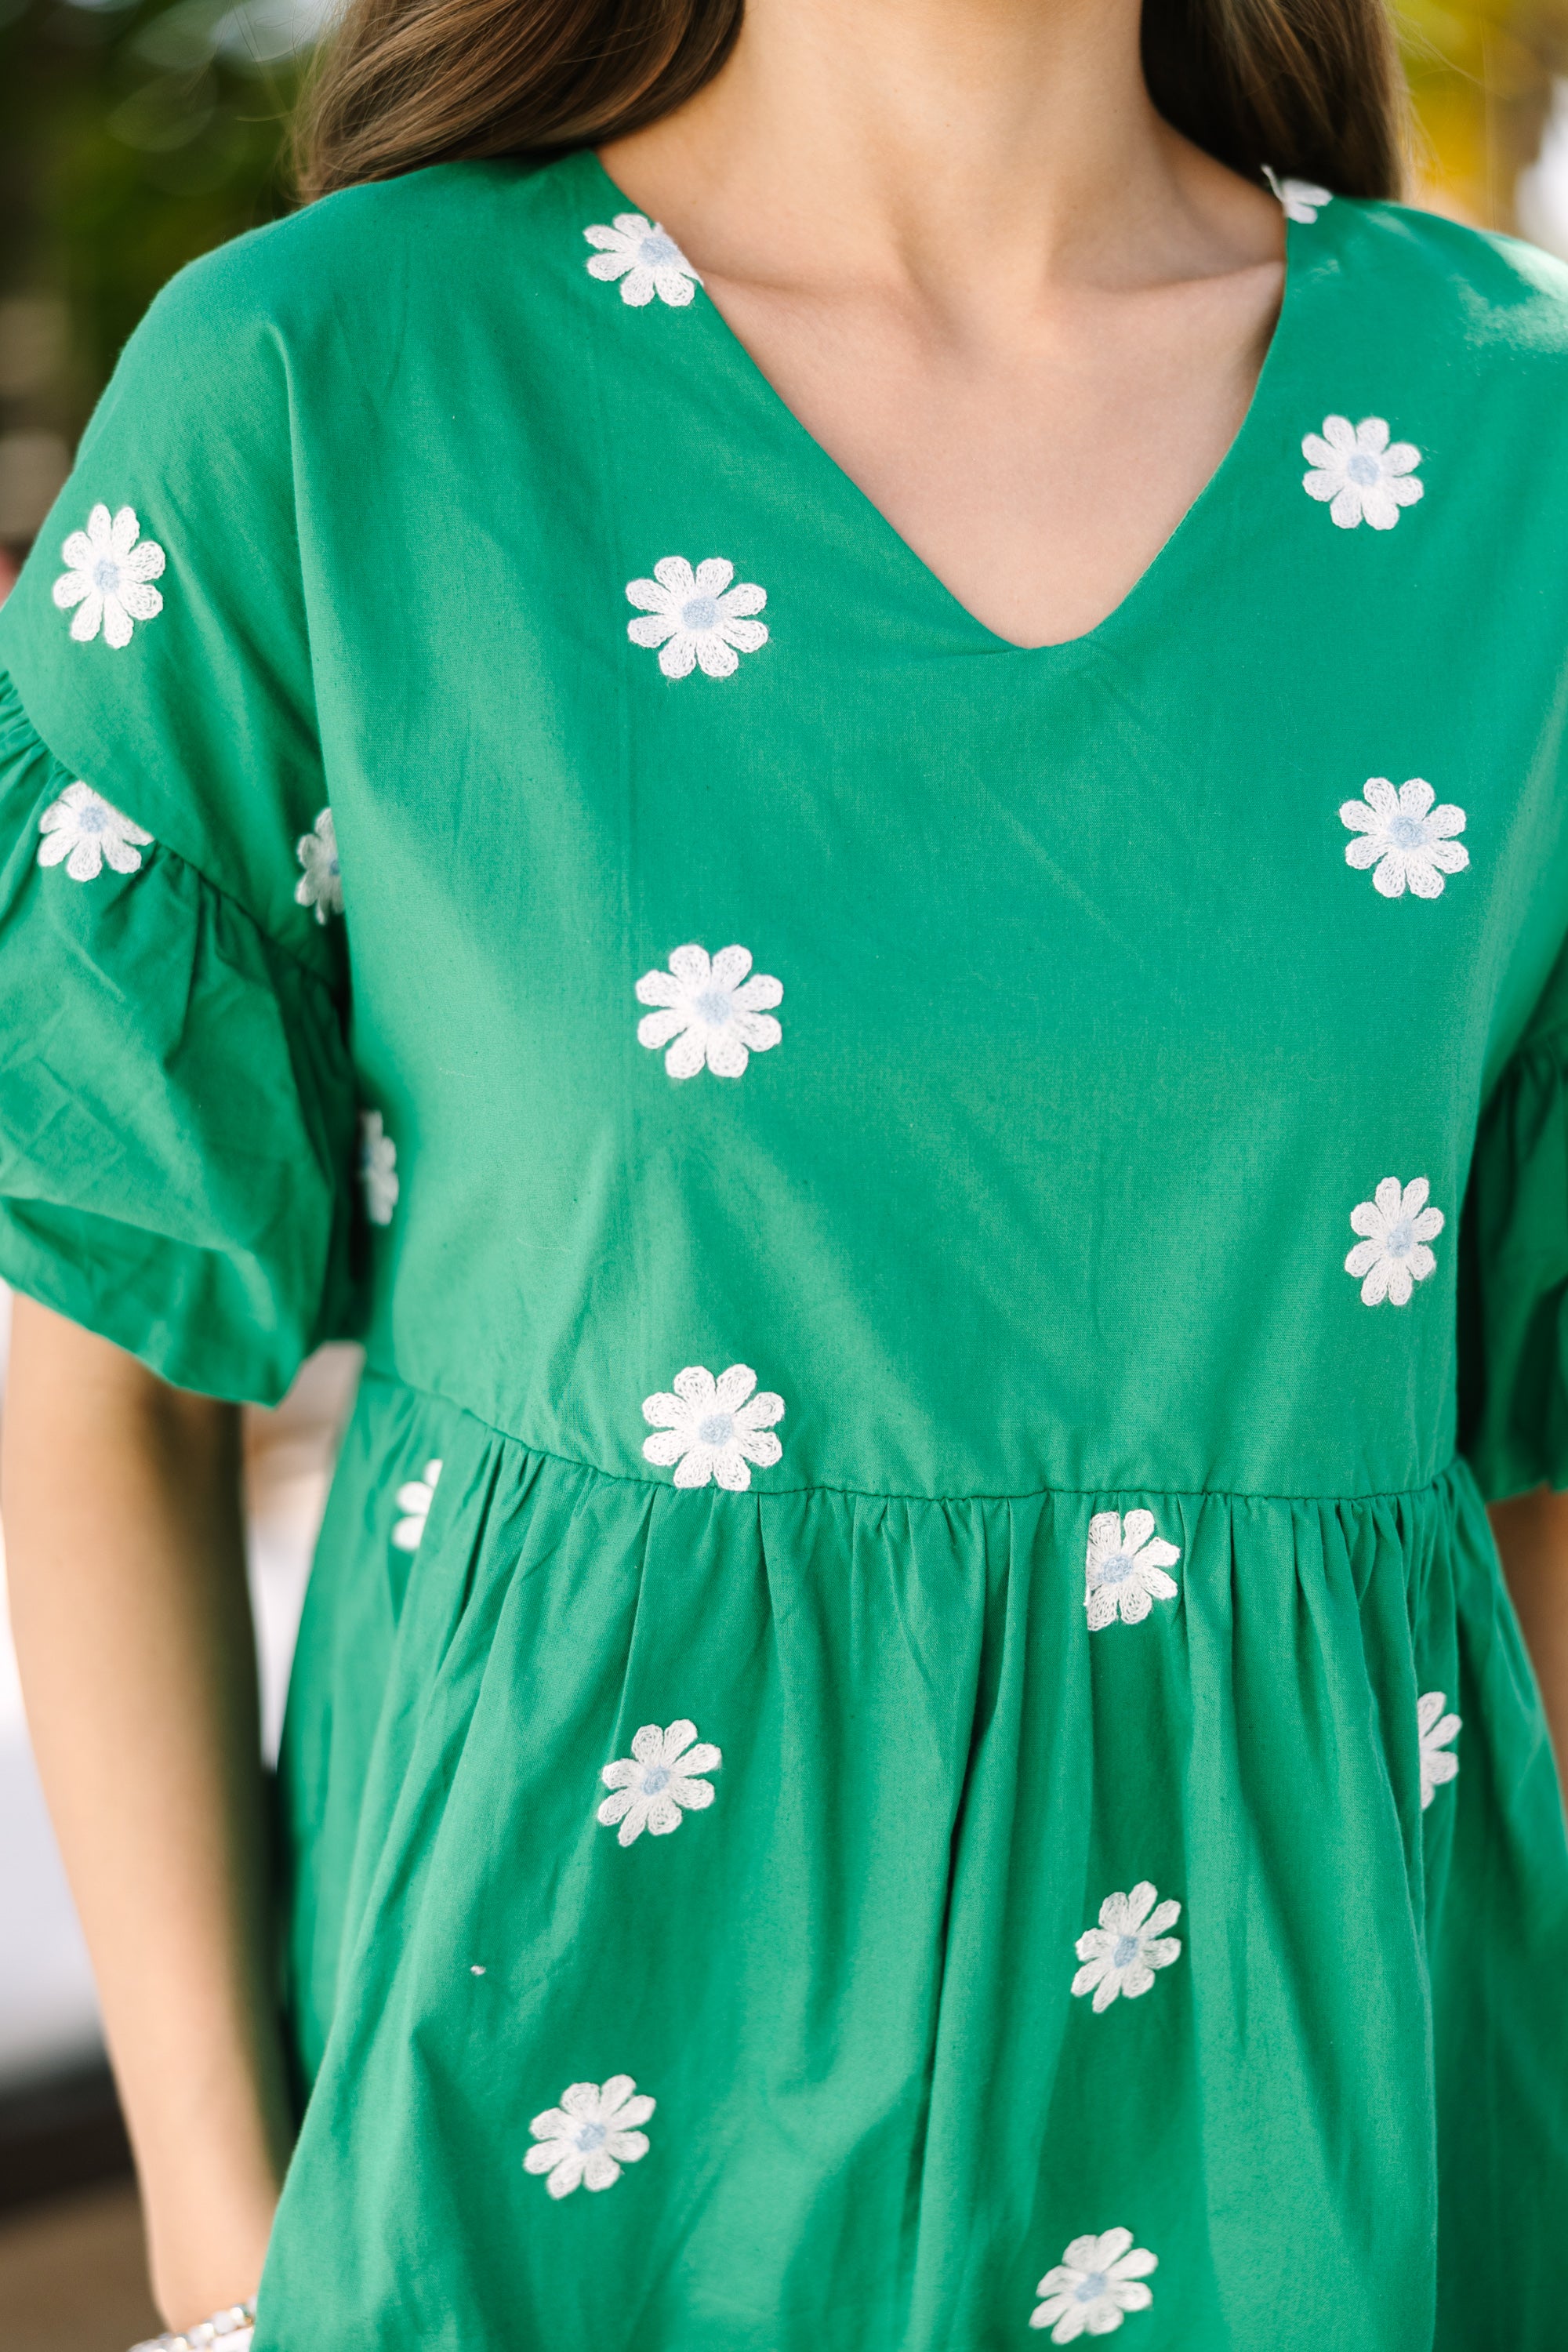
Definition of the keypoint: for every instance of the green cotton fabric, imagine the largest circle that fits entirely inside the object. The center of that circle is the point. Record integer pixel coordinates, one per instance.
(907, 1725)
(175, 1109)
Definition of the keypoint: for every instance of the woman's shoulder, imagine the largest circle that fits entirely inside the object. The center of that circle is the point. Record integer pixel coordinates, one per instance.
(1467, 292)
(354, 255)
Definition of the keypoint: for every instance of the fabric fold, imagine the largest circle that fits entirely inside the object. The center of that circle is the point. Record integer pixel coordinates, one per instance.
(177, 1101)
(1513, 1398)
(1016, 1924)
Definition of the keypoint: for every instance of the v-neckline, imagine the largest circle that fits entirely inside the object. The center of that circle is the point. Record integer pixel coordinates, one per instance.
(1166, 561)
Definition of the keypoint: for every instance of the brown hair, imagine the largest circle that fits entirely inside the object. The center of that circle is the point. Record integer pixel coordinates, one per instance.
(1310, 86)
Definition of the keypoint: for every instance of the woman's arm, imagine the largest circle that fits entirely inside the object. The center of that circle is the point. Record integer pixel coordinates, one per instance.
(1532, 1537)
(125, 1557)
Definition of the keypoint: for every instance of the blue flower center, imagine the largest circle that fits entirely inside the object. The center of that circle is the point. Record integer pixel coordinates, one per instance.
(590, 2136)
(1364, 470)
(1407, 832)
(1093, 2287)
(658, 251)
(716, 1428)
(1126, 1952)
(1400, 1239)
(655, 1781)
(90, 818)
(699, 613)
(105, 576)
(714, 1007)
(1117, 1569)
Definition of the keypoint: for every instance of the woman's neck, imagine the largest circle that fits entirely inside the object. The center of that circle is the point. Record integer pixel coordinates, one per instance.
(969, 151)
(1022, 314)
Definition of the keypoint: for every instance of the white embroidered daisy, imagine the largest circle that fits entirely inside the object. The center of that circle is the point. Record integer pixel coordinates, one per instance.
(645, 259)
(715, 1015)
(1125, 1569)
(87, 831)
(414, 1500)
(1393, 1257)
(696, 617)
(1301, 200)
(1360, 473)
(1407, 843)
(111, 567)
(1123, 1953)
(377, 1168)
(659, 1780)
(322, 883)
(1434, 1730)
(710, 1429)
(590, 2135)
(1096, 2283)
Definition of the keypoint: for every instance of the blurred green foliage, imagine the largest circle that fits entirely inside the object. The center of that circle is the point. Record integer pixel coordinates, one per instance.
(133, 137)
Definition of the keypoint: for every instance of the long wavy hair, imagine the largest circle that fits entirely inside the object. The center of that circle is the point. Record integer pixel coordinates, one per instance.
(1312, 87)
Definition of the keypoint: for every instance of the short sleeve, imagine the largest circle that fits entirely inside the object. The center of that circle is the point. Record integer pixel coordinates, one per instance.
(175, 1100)
(1513, 1338)
(176, 1094)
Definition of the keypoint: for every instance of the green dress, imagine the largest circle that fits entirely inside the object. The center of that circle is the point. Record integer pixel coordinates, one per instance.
(905, 1727)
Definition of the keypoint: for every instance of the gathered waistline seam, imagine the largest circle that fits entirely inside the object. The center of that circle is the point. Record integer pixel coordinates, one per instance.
(887, 1495)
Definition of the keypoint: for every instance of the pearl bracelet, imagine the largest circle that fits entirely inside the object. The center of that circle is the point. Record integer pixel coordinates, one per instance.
(226, 2331)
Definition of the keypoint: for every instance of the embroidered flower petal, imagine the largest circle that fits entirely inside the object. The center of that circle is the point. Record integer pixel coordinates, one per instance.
(729, 968)
(696, 1466)
(655, 1029)
(679, 657)
(140, 564)
(703, 613)
(1434, 1730)
(717, 1442)
(652, 630)
(652, 1795)
(1359, 474)
(742, 600)
(731, 1389)
(759, 993)
(704, 1015)
(82, 829)
(688, 1056)
(107, 586)
(142, 602)
(713, 576)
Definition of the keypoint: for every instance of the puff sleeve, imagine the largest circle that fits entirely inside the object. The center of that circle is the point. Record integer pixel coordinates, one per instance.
(176, 1094)
(1514, 1266)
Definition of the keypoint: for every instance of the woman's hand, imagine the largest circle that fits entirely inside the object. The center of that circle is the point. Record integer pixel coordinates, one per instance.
(1532, 1537)
(125, 1554)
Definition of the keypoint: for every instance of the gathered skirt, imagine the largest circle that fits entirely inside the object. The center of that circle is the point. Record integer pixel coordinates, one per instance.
(786, 1921)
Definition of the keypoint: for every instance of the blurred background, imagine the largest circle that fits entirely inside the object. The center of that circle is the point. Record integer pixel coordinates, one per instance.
(135, 134)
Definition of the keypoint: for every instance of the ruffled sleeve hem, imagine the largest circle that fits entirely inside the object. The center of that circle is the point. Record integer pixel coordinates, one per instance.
(176, 1098)
(1513, 1397)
